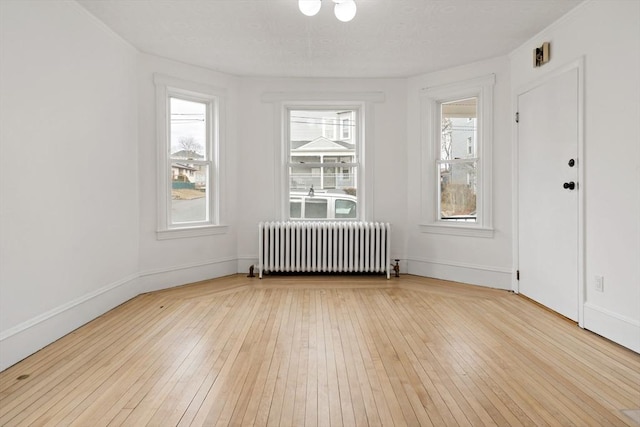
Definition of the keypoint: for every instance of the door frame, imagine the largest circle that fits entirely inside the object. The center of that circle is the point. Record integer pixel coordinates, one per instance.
(577, 64)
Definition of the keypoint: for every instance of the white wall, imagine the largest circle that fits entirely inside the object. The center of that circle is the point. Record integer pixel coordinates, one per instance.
(166, 263)
(476, 260)
(607, 35)
(258, 146)
(68, 173)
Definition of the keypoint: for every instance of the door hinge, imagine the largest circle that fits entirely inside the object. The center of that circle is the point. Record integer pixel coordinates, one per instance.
(518, 117)
(517, 274)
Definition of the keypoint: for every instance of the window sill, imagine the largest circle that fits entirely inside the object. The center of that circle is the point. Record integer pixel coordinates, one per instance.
(457, 230)
(183, 233)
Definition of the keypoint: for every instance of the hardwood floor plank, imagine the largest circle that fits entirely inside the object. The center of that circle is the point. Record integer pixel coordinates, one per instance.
(247, 410)
(480, 384)
(270, 409)
(94, 365)
(364, 367)
(391, 401)
(333, 404)
(222, 388)
(205, 352)
(323, 411)
(335, 340)
(81, 347)
(351, 361)
(161, 370)
(325, 351)
(211, 372)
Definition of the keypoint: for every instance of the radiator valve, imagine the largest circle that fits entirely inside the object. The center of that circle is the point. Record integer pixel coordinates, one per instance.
(396, 267)
(251, 272)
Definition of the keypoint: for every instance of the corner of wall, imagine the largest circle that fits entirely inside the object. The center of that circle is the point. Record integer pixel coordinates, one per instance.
(36, 333)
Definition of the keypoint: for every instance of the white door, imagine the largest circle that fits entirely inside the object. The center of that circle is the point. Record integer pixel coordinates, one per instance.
(548, 193)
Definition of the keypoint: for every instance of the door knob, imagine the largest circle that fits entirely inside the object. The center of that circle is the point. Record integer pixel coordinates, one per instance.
(570, 185)
(572, 163)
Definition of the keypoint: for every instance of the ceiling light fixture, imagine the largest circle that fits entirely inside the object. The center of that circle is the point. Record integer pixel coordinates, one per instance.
(345, 10)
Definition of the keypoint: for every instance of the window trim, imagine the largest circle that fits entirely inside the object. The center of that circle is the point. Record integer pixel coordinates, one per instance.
(430, 100)
(167, 87)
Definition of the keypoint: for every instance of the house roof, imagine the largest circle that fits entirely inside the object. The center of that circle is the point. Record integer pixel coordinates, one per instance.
(183, 166)
(322, 144)
(187, 154)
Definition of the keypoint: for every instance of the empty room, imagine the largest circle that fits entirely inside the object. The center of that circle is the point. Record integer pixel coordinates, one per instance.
(319, 212)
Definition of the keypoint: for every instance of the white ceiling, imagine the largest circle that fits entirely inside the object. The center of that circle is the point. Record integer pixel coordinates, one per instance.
(387, 38)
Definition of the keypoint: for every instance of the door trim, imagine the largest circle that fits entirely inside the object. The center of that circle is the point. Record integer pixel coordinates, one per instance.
(577, 64)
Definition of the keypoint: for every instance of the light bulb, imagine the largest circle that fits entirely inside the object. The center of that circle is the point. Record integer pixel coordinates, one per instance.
(309, 7)
(345, 10)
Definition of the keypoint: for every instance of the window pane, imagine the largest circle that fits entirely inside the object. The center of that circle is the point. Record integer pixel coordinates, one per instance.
(188, 129)
(295, 209)
(322, 179)
(318, 170)
(309, 136)
(188, 193)
(315, 208)
(458, 191)
(346, 209)
(459, 129)
(305, 159)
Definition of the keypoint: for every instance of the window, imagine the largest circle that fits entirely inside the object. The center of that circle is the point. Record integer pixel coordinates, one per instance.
(190, 156)
(188, 118)
(307, 158)
(319, 168)
(457, 161)
(457, 133)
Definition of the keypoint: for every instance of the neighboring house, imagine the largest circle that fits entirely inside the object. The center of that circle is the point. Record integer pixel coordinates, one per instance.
(183, 172)
(323, 136)
(461, 146)
(335, 126)
(186, 172)
(322, 150)
(186, 154)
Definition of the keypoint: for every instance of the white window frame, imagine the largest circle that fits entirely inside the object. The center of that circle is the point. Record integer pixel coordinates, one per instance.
(431, 100)
(283, 101)
(168, 87)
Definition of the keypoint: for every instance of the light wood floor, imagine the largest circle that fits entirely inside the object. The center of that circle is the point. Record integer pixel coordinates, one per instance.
(325, 351)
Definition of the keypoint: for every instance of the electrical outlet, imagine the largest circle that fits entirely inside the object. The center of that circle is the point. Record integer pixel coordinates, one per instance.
(599, 283)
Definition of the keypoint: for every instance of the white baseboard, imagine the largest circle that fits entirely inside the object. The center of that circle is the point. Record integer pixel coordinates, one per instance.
(492, 277)
(155, 280)
(26, 338)
(620, 329)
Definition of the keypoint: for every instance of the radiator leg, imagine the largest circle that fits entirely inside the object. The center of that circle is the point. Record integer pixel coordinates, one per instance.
(396, 267)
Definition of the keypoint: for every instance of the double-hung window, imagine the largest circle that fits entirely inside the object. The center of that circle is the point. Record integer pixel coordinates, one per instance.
(188, 116)
(457, 140)
(323, 167)
(458, 161)
(322, 155)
